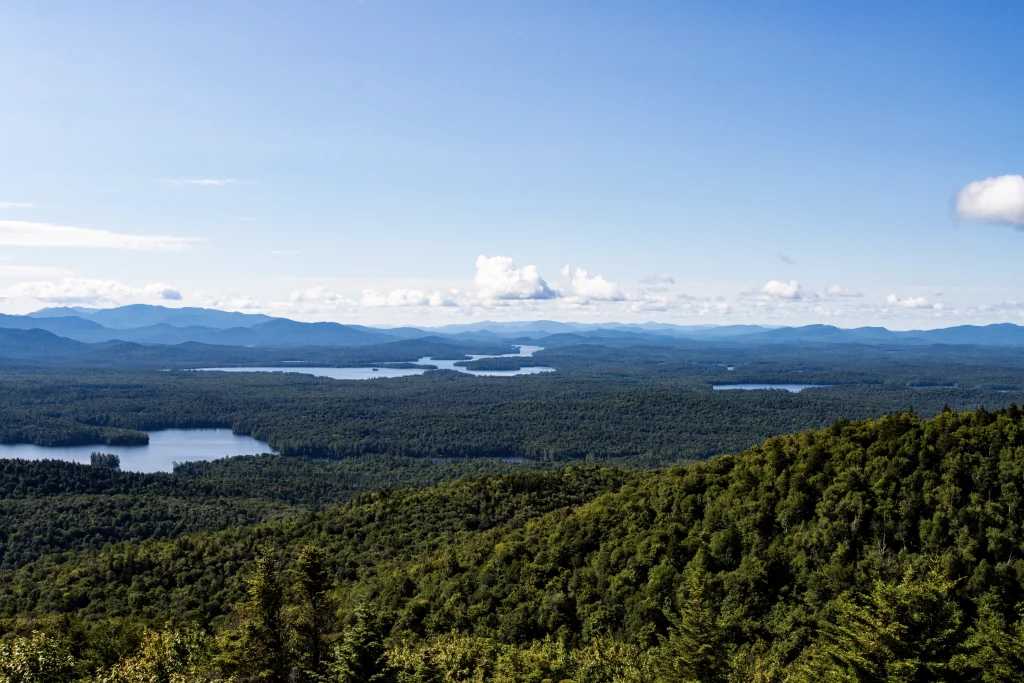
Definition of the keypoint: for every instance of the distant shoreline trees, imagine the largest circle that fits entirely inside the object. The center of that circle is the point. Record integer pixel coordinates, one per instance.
(111, 461)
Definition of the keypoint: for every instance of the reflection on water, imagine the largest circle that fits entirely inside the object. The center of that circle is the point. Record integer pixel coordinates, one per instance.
(333, 373)
(793, 388)
(165, 447)
(379, 371)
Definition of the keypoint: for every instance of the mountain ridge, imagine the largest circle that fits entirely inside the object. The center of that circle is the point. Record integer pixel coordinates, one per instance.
(147, 324)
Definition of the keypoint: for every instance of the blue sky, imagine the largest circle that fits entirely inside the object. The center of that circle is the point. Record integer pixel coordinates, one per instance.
(419, 163)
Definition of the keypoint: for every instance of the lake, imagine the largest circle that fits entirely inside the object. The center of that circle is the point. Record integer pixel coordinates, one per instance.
(379, 372)
(165, 447)
(794, 388)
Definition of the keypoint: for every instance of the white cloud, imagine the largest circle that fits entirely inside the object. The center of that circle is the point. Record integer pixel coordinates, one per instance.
(410, 297)
(497, 278)
(319, 299)
(32, 234)
(317, 295)
(89, 291)
(995, 200)
(229, 301)
(837, 290)
(596, 288)
(909, 302)
(205, 182)
(16, 205)
(791, 290)
(658, 279)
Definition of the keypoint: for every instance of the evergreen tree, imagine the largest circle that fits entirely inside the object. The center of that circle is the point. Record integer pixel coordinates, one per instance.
(359, 657)
(263, 652)
(907, 632)
(696, 649)
(315, 615)
(996, 649)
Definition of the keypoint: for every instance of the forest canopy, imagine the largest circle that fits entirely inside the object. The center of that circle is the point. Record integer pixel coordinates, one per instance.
(873, 550)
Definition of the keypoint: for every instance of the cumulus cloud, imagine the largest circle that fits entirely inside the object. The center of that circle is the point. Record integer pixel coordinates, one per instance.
(596, 288)
(994, 200)
(791, 291)
(909, 302)
(658, 279)
(838, 290)
(229, 301)
(497, 278)
(205, 182)
(317, 295)
(410, 298)
(89, 291)
(16, 205)
(32, 234)
(320, 299)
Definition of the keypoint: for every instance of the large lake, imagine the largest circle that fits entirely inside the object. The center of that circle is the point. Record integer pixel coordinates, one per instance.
(378, 371)
(165, 448)
(794, 388)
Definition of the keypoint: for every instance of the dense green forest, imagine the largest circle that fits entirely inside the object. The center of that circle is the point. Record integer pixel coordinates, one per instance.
(56, 506)
(644, 405)
(880, 550)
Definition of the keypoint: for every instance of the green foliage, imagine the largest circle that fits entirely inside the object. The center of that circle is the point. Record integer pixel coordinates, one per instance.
(37, 658)
(359, 656)
(648, 405)
(165, 657)
(262, 646)
(696, 649)
(198, 577)
(111, 461)
(882, 550)
(54, 506)
(996, 648)
(314, 620)
(909, 631)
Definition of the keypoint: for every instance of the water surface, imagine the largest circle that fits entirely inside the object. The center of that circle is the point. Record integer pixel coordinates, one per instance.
(375, 372)
(793, 388)
(165, 448)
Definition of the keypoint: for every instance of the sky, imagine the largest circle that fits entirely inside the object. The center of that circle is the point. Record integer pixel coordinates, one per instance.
(385, 162)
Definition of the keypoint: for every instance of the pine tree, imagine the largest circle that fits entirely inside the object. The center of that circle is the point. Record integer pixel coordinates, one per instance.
(996, 648)
(263, 647)
(696, 649)
(315, 613)
(359, 657)
(902, 632)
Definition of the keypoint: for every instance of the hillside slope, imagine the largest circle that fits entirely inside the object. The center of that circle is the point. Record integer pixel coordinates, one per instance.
(852, 553)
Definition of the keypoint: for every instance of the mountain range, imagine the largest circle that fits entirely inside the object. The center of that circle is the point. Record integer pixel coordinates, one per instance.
(146, 324)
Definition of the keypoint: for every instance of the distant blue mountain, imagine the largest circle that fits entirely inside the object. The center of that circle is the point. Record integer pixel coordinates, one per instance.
(178, 325)
(37, 344)
(144, 315)
(144, 324)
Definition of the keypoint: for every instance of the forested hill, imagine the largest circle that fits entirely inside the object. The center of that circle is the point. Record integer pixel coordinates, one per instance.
(882, 550)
